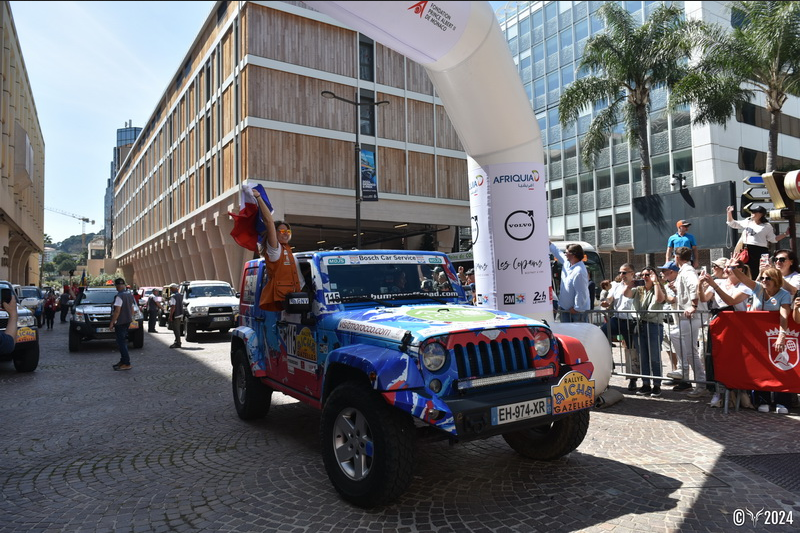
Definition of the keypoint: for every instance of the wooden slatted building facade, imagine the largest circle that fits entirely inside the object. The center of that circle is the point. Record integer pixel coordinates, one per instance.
(246, 105)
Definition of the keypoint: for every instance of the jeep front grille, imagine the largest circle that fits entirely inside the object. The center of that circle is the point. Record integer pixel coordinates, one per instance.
(97, 318)
(489, 358)
(219, 310)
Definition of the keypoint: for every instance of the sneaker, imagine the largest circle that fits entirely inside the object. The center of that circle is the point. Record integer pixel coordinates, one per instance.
(682, 386)
(632, 385)
(120, 366)
(781, 410)
(175, 345)
(675, 374)
(697, 393)
(763, 408)
(644, 391)
(716, 400)
(656, 392)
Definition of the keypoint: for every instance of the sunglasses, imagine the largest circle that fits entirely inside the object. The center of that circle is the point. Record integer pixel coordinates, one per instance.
(780, 259)
(622, 272)
(764, 279)
(284, 231)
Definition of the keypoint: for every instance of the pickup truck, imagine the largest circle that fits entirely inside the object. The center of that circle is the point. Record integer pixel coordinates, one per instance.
(386, 357)
(91, 317)
(26, 349)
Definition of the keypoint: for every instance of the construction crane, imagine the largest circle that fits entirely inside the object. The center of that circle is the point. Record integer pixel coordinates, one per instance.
(83, 220)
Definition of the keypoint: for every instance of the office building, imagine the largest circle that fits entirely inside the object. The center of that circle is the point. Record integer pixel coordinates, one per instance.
(246, 105)
(546, 40)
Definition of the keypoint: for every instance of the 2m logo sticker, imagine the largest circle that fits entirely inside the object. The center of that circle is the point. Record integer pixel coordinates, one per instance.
(509, 299)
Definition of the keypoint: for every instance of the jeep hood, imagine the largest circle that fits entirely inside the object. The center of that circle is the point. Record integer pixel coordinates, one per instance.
(424, 321)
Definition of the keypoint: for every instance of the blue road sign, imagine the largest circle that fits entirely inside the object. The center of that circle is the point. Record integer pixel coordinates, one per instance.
(754, 180)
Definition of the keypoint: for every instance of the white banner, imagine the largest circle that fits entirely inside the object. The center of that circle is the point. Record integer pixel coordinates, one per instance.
(509, 233)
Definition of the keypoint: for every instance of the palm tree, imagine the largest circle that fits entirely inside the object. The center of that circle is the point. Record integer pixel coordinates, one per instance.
(628, 61)
(761, 54)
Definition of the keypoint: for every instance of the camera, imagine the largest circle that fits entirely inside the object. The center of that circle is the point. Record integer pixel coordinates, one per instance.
(6, 294)
(638, 283)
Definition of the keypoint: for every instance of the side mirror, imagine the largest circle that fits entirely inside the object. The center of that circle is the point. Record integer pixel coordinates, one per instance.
(298, 302)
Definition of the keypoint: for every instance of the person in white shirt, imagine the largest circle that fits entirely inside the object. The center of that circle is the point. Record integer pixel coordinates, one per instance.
(622, 322)
(757, 233)
(786, 262)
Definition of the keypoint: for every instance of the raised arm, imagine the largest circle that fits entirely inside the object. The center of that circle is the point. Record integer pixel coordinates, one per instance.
(272, 235)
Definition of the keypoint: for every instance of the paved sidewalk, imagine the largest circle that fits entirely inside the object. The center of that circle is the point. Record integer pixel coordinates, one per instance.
(160, 448)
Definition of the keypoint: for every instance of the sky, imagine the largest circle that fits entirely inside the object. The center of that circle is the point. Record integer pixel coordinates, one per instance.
(92, 67)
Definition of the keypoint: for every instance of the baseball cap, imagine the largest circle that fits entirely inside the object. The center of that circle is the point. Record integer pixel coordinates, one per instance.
(119, 281)
(758, 209)
(680, 223)
(670, 265)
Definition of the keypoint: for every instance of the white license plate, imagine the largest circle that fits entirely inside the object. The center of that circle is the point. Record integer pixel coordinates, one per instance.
(103, 330)
(221, 319)
(514, 412)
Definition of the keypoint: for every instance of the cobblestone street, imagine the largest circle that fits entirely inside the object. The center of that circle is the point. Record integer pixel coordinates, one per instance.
(160, 448)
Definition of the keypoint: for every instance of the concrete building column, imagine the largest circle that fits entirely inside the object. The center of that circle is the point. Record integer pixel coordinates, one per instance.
(200, 233)
(184, 258)
(194, 258)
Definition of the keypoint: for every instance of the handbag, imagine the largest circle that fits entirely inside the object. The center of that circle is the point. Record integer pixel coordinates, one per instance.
(740, 252)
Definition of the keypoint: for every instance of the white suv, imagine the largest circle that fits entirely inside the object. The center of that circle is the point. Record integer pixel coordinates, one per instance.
(208, 305)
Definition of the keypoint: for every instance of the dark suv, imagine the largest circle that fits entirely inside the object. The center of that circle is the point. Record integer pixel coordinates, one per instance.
(26, 350)
(91, 318)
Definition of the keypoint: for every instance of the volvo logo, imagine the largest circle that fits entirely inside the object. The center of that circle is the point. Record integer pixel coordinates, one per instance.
(519, 225)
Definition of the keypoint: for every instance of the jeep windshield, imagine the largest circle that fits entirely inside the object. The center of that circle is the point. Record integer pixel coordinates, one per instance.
(386, 277)
(202, 291)
(30, 292)
(97, 298)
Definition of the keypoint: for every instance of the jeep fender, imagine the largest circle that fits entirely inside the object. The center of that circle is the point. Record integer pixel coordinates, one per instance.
(576, 338)
(248, 338)
(399, 381)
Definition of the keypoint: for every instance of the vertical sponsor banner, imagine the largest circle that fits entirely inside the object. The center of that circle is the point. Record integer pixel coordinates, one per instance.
(369, 179)
(482, 249)
(511, 197)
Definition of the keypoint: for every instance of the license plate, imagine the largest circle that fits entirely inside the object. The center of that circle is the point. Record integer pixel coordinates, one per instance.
(221, 319)
(514, 412)
(103, 330)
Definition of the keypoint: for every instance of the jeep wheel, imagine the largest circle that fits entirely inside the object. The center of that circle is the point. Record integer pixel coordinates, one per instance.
(367, 446)
(137, 338)
(549, 442)
(191, 332)
(27, 360)
(74, 340)
(251, 397)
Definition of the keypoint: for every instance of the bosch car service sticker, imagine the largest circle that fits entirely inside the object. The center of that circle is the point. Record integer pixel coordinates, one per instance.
(451, 314)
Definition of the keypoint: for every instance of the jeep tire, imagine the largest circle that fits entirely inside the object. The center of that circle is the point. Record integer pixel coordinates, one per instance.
(74, 340)
(550, 441)
(251, 397)
(191, 332)
(27, 359)
(367, 445)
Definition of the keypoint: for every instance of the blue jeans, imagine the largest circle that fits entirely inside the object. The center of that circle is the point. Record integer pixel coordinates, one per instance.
(648, 343)
(566, 316)
(620, 326)
(122, 343)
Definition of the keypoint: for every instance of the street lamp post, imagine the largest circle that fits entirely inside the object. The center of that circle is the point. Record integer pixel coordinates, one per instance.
(356, 108)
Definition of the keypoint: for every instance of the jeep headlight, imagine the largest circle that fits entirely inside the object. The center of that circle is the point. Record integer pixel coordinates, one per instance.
(25, 321)
(434, 356)
(199, 310)
(79, 315)
(235, 309)
(541, 343)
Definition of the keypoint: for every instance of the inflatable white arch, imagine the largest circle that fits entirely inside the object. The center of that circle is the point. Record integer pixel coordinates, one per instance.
(461, 46)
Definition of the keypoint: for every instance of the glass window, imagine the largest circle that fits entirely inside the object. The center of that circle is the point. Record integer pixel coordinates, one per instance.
(538, 19)
(556, 194)
(570, 148)
(541, 119)
(587, 182)
(597, 24)
(621, 176)
(658, 123)
(581, 29)
(604, 222)
(538, 53)
(538, 87)
(566, 38)
(366, 60)
(525, 26)
(571, 185)
(604, 179)
(660, 165)
(525, 60)
(512, 32)
(567, 76)
(618, 135)
(552, 45)
(552, 82)
(583, 72)
(681, 117)
(552, 117)
(555, 153)
(367, 115)
(623, 219)
(682, 161)
(529, 90)
(551, 11)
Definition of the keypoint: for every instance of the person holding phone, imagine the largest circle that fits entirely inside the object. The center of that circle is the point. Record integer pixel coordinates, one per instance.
(8, 339)
(621, 322)
(757, 233)
(648, 299)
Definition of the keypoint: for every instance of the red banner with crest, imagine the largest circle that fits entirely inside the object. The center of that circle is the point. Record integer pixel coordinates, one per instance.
(743, 348)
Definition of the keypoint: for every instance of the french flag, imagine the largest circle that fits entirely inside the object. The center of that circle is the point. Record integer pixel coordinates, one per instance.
(248, 226)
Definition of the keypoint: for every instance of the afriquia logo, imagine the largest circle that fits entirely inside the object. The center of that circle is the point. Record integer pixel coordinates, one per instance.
(419, 8)
(475, 184)
(519, 225)
(527, 181)
(788, 358)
